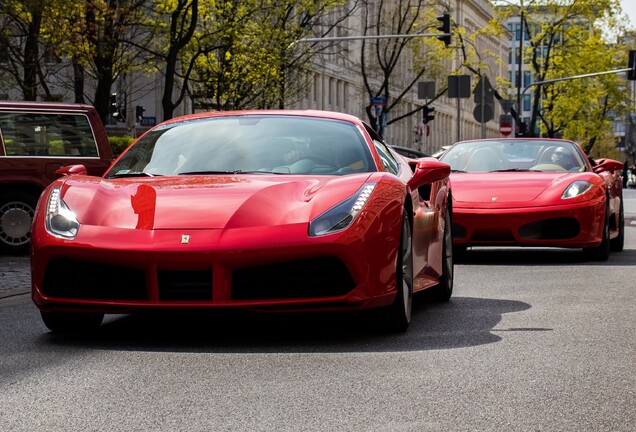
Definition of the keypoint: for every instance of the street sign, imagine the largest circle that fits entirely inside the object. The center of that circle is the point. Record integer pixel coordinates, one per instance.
(377, 101)
(505, 124)
(484, 112)
(483, 91)
(426, 90)
(507, 105)
(631, 74)
(458, 86)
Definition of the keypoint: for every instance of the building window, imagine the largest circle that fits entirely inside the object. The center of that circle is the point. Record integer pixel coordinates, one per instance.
(527, 78)
(526, 102)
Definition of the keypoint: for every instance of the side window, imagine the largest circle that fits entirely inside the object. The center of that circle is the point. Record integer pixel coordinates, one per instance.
(35, 134)
(390, 164)
(388, 161)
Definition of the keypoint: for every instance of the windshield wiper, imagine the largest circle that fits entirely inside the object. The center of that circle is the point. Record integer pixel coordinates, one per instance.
(260, 172)
(133, 174)
(229, 172)
(511, 170)
(459, 171)
(210, 172)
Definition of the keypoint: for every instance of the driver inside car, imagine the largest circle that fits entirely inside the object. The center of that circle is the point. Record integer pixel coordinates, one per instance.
(564, 158)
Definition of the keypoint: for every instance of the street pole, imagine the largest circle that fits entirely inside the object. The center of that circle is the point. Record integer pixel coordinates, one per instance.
(519, 70)
(538, 83)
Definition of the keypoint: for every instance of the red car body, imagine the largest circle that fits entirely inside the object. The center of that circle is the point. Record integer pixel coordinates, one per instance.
(241, 239)
(517, 196)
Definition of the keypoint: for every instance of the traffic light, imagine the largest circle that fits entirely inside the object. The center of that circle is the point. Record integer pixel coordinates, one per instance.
(114, 109)
(427, 114)
(444, 28)
(139, 112)
(631, 74)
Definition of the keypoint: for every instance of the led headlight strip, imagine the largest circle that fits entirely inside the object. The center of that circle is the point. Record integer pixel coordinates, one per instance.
(342, 215)
(60, 220)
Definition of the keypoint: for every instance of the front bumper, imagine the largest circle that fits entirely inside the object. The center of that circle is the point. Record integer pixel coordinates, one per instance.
(276, 269)
(577, 225)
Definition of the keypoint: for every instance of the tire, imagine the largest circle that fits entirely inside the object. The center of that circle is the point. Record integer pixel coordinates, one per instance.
(398, 315)
(16, 216)
(67, 322)
(602, 251)
(617, 244)
(443, 291)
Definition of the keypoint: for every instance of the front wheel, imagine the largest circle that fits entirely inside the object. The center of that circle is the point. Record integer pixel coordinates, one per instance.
(617, 243)
(602, 251)
(71, 322)
(444, 289)
(398, 315)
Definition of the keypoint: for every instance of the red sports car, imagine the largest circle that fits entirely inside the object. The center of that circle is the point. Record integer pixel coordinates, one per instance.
(535, 192)
(259, 210)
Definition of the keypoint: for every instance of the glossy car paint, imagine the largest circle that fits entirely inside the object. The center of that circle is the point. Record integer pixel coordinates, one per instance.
(220, 223)
(487, 206)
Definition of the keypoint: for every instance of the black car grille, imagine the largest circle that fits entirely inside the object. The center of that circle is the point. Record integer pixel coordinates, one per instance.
(317, 277)
(71, 278)
(184, 285)
(551, 229)
(78, 279)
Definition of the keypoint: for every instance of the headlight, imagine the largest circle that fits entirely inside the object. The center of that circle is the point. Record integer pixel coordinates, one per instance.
(577, 188)
(60, 220)
(342, 215)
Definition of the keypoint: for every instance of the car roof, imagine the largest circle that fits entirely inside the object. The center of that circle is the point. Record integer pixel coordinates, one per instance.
(33, 105)
(333, 115)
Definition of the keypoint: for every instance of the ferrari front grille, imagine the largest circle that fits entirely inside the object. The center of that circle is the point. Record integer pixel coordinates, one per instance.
(492, 234)
(184, 285)
(551, 229)
(316, 277)
(71, 278)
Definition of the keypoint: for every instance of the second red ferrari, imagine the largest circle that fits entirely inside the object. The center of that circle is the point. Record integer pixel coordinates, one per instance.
(535, 192)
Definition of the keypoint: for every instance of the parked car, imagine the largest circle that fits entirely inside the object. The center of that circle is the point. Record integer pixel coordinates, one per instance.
(270, 210)
(36, 139)
(409, 152)
(535, 192)
(440, 152)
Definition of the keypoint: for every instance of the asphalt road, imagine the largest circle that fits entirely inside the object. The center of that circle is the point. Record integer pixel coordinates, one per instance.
(533, 340)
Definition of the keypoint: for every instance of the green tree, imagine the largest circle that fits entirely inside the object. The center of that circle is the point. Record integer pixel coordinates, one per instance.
(382, 59)
(21, 23)
(258, 63)
(565, 40)
(100, 37)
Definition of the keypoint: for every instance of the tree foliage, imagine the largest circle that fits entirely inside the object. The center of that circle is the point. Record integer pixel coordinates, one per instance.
(569, 39)
(383, 59)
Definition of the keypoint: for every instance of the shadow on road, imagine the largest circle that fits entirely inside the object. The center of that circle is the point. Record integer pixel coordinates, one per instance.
(463, 322)
(540, 257)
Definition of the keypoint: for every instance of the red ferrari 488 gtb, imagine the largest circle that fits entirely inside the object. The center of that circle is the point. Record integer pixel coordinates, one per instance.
(266, 210)
(535, 192)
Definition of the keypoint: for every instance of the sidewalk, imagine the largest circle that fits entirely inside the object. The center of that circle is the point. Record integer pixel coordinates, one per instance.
(15, 275)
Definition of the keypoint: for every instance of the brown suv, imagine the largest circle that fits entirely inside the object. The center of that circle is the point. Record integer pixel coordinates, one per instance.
(36, 139)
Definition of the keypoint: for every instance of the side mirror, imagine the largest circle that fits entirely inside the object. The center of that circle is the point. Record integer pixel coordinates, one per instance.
(607, 165)
(427, 170)
(71, 170)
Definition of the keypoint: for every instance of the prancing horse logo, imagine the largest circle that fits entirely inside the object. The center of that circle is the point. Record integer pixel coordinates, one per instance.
(185, 238)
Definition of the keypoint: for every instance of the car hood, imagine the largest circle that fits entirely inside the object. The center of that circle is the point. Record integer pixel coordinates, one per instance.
(510, 188)
(205, 202)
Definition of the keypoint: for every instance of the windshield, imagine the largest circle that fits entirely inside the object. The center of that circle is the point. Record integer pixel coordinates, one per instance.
(247, 144)
(515, 155)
